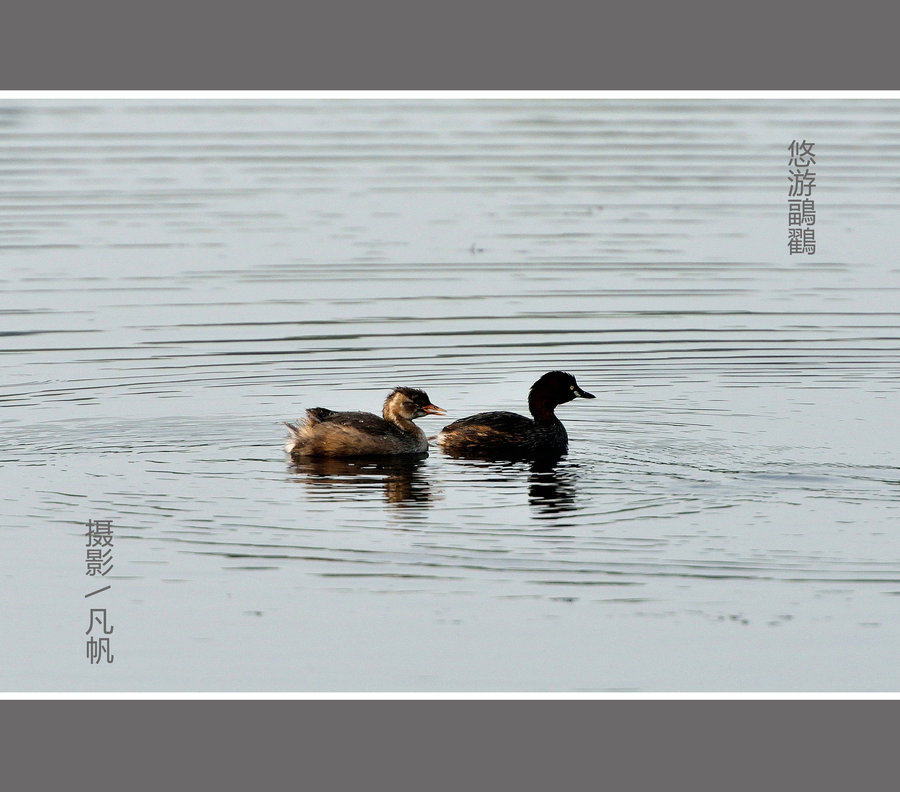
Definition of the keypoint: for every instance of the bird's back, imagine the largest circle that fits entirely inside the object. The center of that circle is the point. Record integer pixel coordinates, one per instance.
(329, 433)
(502, 434)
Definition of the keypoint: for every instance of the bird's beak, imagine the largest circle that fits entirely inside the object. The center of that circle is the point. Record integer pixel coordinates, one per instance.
(584, 394)
(431, 409)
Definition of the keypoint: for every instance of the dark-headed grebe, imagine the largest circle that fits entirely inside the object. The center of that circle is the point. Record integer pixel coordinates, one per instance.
(508, 435)
(340, 434)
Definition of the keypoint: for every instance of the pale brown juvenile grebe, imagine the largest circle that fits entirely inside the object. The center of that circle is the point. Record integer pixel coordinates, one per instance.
(507, 435)
(339, 434)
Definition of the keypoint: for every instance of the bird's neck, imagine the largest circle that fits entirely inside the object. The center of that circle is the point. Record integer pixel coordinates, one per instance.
(541, 408)
(403, 424)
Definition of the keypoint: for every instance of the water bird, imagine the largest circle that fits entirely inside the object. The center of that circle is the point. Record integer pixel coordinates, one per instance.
(508, 435)
(327, 433)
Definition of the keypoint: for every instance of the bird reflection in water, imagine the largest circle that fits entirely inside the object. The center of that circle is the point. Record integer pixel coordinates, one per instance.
(401, 477)
(551, 482)
(551, 486)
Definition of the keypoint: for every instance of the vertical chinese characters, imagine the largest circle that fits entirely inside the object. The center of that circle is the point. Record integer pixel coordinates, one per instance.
(99, 559)
(801, 206)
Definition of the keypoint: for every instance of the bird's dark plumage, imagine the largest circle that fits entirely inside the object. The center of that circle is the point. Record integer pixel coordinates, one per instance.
(508, 435)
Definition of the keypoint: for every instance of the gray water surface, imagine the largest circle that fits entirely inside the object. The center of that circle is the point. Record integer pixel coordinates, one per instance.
(178, 277)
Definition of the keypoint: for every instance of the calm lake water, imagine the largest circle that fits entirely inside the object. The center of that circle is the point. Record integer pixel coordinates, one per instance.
(178, 277)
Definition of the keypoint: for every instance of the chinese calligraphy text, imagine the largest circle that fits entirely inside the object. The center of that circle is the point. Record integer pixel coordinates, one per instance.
(99, 563)
(801, 206)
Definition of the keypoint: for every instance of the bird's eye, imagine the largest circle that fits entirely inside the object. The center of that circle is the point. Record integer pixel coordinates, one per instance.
(571, 387)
